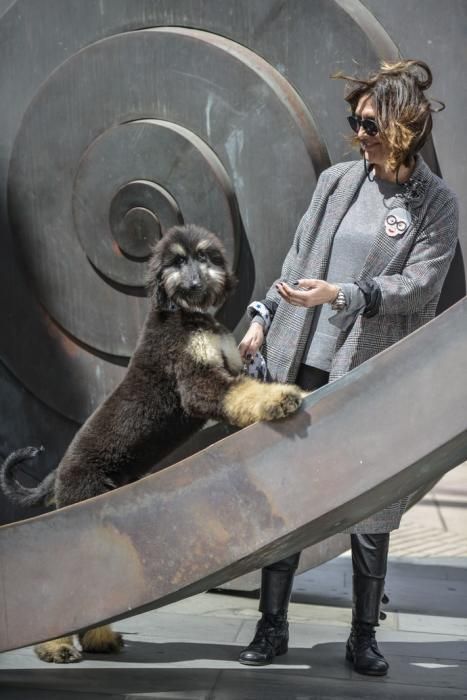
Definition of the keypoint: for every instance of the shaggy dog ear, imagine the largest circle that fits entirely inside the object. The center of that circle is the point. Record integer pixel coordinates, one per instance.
(158, 293)
(153, 280)
(230, 282)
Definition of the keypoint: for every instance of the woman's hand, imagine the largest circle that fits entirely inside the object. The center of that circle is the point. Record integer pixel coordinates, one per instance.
(308, 293)
(251, 341)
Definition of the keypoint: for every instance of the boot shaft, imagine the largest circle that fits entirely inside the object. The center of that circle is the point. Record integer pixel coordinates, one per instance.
(366, 600)
(276, 585)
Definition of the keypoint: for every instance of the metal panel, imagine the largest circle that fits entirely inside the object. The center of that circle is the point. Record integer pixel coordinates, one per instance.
(251, 498)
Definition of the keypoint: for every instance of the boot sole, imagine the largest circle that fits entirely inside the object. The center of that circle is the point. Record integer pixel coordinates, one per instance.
(255, 663)
(263, 663)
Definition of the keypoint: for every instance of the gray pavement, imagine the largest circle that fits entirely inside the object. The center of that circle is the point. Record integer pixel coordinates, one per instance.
(188, 650)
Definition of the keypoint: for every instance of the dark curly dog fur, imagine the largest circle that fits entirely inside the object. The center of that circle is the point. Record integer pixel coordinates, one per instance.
(186, 369)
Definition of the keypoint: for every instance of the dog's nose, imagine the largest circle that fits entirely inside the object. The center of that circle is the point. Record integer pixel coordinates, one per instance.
(195, 284)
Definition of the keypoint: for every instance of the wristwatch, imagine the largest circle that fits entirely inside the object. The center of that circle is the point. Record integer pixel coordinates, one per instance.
(339, 302)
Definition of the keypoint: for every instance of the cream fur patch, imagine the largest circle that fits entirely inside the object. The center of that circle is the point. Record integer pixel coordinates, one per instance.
(204, 244)
(230, 351)
(211, 349)
(217, 276)
(177, 249)
(61, 650)
(248, 401)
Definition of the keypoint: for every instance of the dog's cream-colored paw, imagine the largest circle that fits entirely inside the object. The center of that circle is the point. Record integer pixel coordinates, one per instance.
(284, 400)
(58, 652)
(249, 401)
(101, 640)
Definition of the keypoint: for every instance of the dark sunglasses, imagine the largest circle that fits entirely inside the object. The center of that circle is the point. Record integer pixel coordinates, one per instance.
(368, 125)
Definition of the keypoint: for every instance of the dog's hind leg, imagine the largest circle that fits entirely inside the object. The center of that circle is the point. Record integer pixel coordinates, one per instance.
(96, 640)
(101, 640)
(58, 651)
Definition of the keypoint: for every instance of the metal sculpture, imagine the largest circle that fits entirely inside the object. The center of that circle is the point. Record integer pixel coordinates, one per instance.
(225, 510)
(135, 116)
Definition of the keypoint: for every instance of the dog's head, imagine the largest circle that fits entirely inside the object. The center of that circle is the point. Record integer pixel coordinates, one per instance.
(188, 268)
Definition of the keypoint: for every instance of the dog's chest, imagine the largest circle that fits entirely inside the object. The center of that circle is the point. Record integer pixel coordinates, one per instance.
(215, 350)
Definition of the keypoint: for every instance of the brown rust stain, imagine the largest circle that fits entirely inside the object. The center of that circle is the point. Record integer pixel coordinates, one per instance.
(113, 555)
(70, 348)
(116, 249)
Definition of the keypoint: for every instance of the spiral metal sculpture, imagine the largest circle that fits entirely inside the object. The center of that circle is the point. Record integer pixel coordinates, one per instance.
(121, 118)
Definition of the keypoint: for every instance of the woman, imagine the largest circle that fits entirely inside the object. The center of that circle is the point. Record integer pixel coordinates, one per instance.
(365, 269)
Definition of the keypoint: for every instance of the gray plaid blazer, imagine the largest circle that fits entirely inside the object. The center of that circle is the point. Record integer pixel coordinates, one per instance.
(409, 270)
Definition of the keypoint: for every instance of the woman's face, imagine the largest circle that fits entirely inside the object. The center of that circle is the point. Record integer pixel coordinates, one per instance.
(373, 149)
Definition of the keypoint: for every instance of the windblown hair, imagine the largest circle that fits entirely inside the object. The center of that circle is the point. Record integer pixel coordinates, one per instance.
(402, 110)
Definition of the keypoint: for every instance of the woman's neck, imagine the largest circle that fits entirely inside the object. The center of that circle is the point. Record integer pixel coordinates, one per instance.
(384, 172)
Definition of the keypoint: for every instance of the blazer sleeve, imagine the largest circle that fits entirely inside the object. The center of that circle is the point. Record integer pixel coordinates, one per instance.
(426, 268)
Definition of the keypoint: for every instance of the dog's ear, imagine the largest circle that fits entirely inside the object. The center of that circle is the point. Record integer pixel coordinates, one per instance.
(154, 284)
(231, 282)
(158, 293)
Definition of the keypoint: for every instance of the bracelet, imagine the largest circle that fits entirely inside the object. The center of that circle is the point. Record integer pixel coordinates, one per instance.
(339, 302)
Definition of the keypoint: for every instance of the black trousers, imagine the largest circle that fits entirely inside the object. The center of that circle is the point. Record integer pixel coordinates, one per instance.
(369, 551)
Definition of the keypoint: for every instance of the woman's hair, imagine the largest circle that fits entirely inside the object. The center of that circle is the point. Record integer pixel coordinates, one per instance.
(402, 110)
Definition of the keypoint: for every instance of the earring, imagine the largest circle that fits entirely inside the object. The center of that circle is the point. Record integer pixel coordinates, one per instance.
(368, 170)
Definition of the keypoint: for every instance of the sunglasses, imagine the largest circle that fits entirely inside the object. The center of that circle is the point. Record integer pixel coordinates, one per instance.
(369, 126)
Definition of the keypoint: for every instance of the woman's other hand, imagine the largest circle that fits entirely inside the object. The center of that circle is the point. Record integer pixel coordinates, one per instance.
(308, 292)
(251, 341)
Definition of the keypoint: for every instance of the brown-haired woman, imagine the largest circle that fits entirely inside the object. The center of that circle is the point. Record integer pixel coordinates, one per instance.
(365, 269)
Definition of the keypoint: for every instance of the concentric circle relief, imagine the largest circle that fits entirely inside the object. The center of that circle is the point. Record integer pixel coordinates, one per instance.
(138, 132)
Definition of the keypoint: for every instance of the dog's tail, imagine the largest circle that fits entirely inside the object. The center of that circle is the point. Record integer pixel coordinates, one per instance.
(43, 493)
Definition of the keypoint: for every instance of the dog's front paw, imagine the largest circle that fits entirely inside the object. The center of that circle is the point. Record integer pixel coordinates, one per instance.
(58, 652)
(284, 400)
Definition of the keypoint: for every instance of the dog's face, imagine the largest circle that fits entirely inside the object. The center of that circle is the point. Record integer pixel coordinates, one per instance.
(188, 268)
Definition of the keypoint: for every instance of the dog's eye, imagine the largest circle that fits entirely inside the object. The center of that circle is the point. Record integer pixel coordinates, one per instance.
(179, 260)
(217, 259)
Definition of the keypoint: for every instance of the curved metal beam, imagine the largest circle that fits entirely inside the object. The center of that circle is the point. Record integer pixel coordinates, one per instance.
(359, 444)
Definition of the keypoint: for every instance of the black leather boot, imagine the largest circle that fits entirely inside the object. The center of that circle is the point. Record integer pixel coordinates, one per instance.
(272, 630)
(369, 559)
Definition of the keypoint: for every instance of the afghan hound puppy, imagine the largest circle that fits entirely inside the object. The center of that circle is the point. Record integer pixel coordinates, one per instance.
(186, 369)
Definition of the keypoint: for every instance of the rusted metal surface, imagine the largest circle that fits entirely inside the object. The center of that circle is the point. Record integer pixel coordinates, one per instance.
(388, 427)
(313, 556)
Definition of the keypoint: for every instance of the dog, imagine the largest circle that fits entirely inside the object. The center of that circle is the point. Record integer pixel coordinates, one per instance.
(186, 369)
